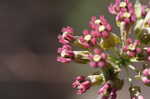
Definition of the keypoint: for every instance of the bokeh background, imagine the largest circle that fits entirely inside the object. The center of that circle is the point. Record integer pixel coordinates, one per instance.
(28, 46)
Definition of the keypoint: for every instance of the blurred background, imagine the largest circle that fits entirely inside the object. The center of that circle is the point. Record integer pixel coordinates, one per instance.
(28, 46)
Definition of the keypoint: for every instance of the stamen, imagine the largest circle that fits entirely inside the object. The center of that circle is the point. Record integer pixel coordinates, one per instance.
(97, 21)
(97, 58)
(127, 15)
(64, 34)
(63, 54)
(123, 4)
(87, 37)
(101, 28)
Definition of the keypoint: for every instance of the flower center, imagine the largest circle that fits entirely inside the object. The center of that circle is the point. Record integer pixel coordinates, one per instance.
(97, 21)
(101, 28)
(87, 37)
(97, 58)
(63, 53)
(64, 34)
(131, 47)
(127, 15)
(123, 4)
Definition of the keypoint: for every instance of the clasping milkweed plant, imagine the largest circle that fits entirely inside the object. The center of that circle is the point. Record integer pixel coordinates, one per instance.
(111, 54)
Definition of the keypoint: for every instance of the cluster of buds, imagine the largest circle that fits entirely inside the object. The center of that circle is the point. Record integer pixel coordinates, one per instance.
(124, 11)
(81, 84)
(110, 53)
(100, 27)
(132, 48)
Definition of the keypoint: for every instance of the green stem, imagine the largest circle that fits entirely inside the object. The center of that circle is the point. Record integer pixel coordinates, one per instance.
(128, 75)
(133, 68)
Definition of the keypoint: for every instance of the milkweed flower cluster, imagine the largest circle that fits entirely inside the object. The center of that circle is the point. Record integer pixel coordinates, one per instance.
(110, 53)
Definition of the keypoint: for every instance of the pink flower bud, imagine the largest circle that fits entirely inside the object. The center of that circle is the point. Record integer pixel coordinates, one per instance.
(81, 84)
(87, 40)
(66, 54)
(146, 74)
(148, 50)
(104, 89)
(67, 35)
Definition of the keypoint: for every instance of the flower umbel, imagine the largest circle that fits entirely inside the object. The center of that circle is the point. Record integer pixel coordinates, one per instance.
(109, 53)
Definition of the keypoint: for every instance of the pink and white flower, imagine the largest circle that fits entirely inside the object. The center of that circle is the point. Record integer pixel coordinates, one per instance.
(100, 27)
(98, 59)
(132, 48)
(87, 40)
(67, 35)
(81, 84)
(124, 11)
(66, 54)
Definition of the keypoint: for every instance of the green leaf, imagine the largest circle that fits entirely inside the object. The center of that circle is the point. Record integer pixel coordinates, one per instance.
(110, 42)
